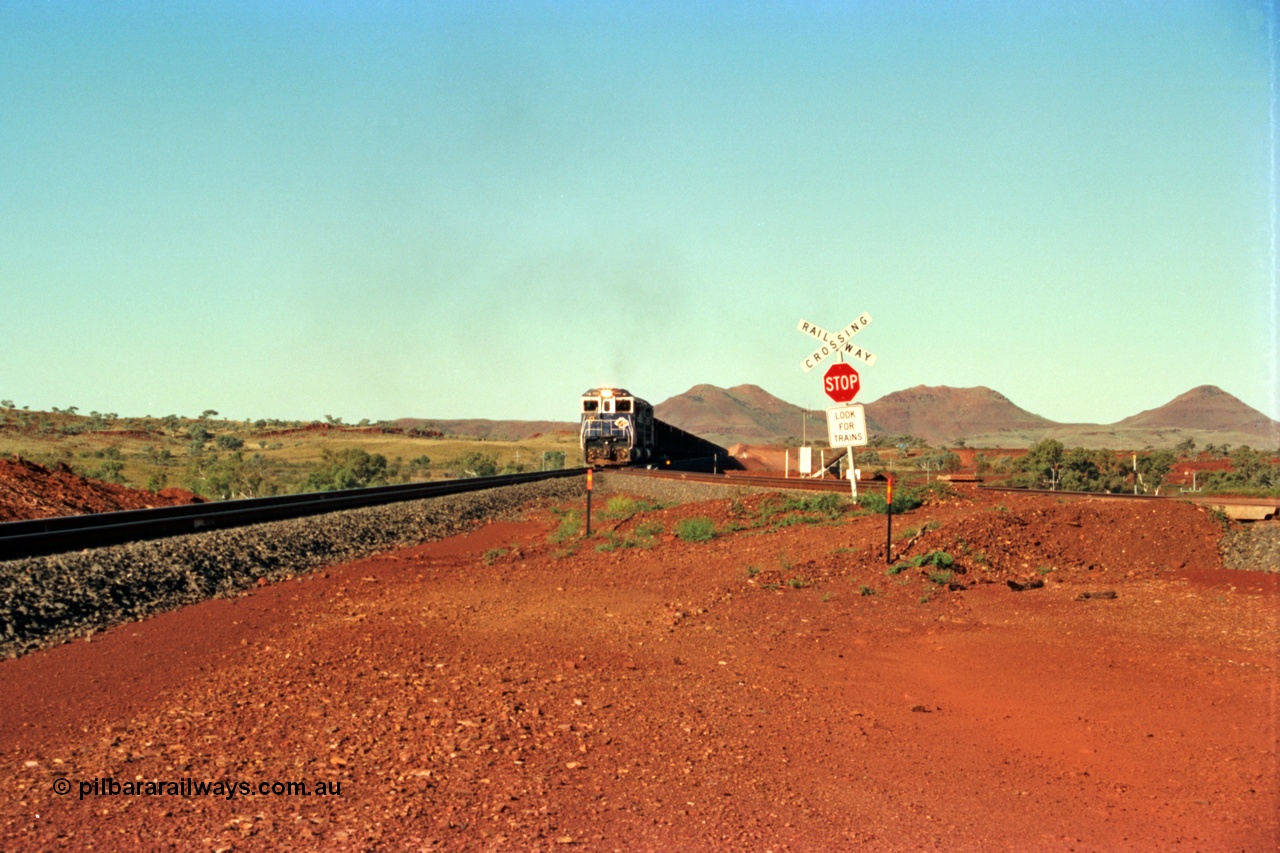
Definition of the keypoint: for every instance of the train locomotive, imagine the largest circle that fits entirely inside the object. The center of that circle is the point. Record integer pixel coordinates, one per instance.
(618, 428)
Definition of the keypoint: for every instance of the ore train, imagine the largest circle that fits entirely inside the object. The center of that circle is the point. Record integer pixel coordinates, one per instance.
(618, 428)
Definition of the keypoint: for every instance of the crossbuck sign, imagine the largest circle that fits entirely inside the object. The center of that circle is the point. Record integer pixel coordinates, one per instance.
(837, 342)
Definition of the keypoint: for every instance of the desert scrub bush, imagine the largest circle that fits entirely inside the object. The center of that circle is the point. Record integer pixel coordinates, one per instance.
(650, 528)
(797, 583)
(827, 503)
(941, 577)
(938, 559)
(695, 529)
(625, 507)
(570, 525)
(903, 501)
(867, 590)
(493, 555)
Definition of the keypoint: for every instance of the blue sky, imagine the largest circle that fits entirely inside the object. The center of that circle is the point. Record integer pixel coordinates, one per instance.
(470, 209)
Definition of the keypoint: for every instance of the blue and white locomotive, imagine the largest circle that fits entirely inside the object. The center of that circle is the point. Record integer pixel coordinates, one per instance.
(617, 428)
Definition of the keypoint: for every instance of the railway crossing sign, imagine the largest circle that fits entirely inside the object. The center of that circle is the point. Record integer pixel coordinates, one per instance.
(837, 342)
(847, 427)
(841, 382)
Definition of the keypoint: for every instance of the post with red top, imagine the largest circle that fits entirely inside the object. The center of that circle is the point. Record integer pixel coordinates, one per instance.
(888, 514)
(590, 483)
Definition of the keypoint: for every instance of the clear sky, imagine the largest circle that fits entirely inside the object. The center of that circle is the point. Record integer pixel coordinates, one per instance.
(480, 209)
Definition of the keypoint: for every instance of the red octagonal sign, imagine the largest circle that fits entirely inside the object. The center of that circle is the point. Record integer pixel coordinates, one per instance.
(841, 382)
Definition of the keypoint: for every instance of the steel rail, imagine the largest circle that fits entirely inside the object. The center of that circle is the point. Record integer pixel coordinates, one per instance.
(1124, 496)
(44, 536)
(737, 478)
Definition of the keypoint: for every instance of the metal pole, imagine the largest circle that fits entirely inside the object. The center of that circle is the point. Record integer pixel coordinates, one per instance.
(590, 483)
(853, 476)
(888, 514)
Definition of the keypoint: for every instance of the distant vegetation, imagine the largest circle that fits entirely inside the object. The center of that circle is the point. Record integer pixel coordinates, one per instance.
(221, 459)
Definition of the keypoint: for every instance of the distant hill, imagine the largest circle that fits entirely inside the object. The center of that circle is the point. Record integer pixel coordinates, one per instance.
(483, 428)
(941, 414)
(1205, 407)
(743, 413)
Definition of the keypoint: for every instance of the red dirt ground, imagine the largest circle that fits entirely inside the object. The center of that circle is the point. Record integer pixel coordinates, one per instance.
(501, 690)
(28, 490)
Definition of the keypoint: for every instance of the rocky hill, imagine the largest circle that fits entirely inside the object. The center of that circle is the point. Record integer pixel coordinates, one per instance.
(941, 414)
(1205, 407)
(743, 413)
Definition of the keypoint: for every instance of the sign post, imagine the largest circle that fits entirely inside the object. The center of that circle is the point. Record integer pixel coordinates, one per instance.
(847, 427)
(846, 423)
(888, 515)
(590, 482)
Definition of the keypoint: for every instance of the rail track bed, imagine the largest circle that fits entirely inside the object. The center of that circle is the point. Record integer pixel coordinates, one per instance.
(43, 536)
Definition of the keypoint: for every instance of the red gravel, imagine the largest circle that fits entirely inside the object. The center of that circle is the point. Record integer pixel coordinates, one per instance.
(28, 490)
(688, 695)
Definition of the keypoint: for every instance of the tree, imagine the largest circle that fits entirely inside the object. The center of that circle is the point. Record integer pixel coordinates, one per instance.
(474, 464)
(208, 413)
(1152, 468)
(351, 468)
(1044, 460)
(1185, 447)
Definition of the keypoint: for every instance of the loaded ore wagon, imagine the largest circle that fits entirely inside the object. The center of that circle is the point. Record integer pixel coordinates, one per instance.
(618, 428)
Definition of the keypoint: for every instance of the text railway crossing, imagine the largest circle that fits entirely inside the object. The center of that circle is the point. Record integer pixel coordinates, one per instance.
(837, 342)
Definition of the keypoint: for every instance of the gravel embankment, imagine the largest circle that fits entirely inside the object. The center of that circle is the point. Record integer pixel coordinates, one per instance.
(48, 600)
(1253, 546)
(675, 491)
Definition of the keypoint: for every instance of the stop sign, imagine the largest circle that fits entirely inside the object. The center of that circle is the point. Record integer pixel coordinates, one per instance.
(841, 382)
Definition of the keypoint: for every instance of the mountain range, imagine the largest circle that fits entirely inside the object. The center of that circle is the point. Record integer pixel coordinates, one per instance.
(940, 414)
(979, 416)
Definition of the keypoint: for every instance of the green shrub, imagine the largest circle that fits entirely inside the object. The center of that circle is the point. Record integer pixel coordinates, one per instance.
(695, 529)
(650, 528)
(570, 526)
(903, 501)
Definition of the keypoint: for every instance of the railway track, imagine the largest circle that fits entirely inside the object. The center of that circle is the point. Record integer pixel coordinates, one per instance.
(44, 536)
(1243, 508)
(732, 478)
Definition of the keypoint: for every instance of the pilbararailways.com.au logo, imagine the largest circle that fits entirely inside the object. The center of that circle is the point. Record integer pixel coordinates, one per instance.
(187, 787)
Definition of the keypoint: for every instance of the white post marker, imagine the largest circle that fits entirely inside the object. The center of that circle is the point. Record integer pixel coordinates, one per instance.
(837, 342)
